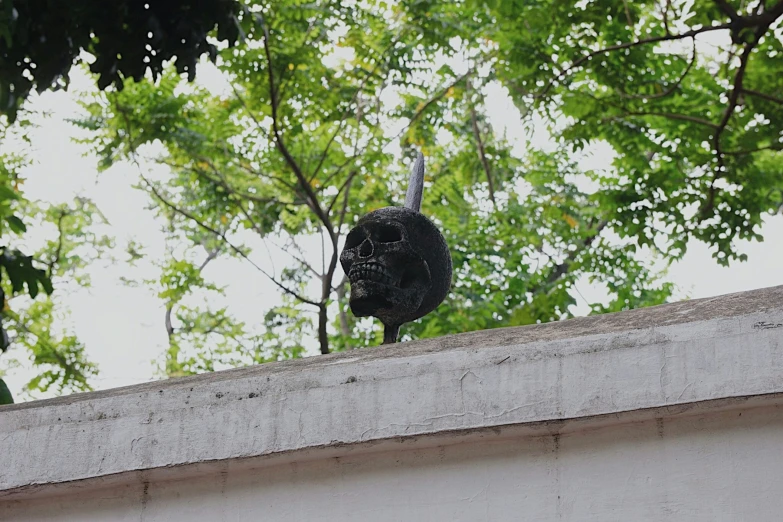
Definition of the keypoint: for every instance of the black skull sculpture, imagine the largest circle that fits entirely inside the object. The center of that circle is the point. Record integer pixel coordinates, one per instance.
(397, 262)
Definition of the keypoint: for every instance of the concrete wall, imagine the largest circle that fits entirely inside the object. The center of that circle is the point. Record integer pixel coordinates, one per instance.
(668, 413)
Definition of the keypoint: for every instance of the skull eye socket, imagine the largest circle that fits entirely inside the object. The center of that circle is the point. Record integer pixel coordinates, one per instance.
(386, 234)
(355, 238)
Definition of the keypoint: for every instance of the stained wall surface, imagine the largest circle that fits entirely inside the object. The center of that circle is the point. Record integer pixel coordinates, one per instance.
(669, 413)
(704, 467)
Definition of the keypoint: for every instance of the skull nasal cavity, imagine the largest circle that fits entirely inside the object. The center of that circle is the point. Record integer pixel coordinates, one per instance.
(366, 248)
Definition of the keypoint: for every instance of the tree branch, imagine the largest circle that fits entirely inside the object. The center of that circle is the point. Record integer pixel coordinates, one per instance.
(736, 90)
(669, 37)
(673, 116)
(666, 8)
(280, 180)
(282, 74)
(671, 89)
(340, 190)
(300, 260)
(428, 103)
(346, 192)
(168, 323)
(211, 255)
(762, 18)
(775, 148)
(344, 116)
(482, 154)
(292, 163)
(764, 96)
(562, 268)
(628, 13)
(441, 93)
(668, 115)
(345, 327)
(733, 98)
(727, 9)
(170, 331)
(225, 239)
(220, 180)
(249, 112)
(59, 249)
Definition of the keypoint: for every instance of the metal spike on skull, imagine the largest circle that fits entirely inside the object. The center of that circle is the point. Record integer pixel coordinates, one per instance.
(397, 261)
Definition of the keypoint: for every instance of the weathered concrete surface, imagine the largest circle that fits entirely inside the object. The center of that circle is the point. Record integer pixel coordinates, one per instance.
(641, 363)
(708, 467)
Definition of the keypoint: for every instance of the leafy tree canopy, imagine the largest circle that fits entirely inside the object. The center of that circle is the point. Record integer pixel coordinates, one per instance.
(323, 98)
(688, 94)
(301, 145)
(31, 318)
(40, 40)
(39, 43)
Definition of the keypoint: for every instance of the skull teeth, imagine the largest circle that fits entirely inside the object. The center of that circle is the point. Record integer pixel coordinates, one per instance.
(370, 272)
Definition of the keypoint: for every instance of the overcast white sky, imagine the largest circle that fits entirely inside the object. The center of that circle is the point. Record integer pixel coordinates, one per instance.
(123, 327)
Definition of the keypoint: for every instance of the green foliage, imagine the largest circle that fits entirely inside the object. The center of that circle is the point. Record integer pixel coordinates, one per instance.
(693, 125)
(16, 267)
(321, 93)
(5, 394)
(59, 357)
(32, 323)
(203, 337)
(40, 40)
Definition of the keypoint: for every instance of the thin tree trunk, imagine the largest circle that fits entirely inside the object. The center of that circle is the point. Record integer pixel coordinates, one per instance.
(169, 326)
(481, 150)
(170, 330)
(483, 156)
(345, 327)
(323, 337)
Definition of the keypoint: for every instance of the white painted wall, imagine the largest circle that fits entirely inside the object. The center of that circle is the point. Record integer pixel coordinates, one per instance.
(670, 413)
(709, 468)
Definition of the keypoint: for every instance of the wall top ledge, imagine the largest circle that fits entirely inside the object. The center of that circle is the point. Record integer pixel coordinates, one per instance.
(682, 353)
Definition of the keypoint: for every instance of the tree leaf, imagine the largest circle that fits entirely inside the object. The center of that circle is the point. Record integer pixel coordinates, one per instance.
(5, 394)
(16, 224)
